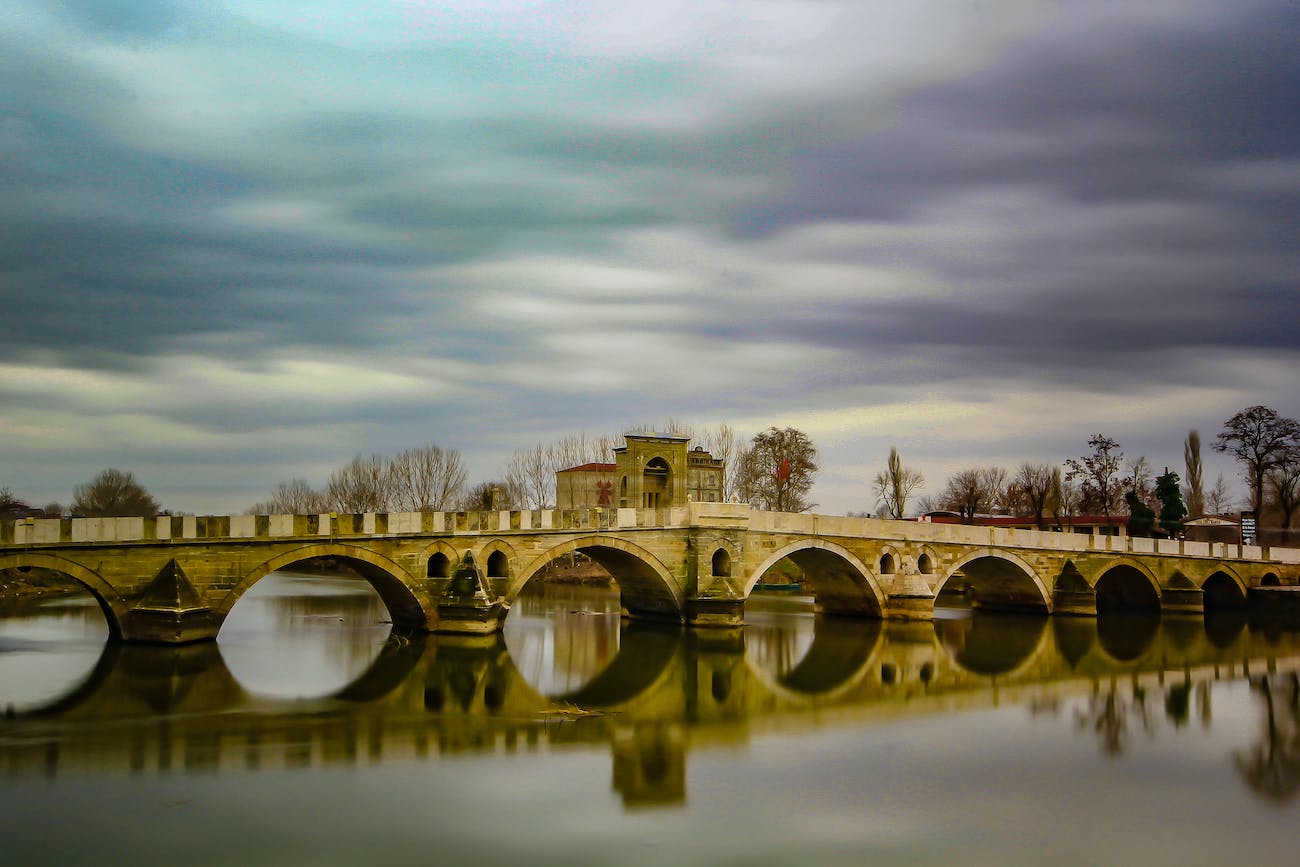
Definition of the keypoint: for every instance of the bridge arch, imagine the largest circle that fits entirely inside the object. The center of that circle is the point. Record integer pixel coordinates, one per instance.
(1126, 584)
(1001, 581)
(114, 609)
(646, 587)
(1222, 588)
(390, 581)
(841, 582)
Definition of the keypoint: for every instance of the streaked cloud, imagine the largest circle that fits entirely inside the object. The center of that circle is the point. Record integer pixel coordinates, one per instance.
(269, 236)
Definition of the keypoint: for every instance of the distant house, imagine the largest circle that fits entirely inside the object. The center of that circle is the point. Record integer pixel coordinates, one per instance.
(588, 486)
(16, 510)
(1212, 528)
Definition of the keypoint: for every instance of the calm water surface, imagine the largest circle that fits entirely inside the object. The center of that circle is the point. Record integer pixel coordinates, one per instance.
(307, 734)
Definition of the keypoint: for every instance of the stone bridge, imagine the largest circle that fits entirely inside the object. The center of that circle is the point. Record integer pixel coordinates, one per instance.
(173, 579)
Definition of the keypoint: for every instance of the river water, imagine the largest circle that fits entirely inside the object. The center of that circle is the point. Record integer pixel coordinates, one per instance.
(307, 734)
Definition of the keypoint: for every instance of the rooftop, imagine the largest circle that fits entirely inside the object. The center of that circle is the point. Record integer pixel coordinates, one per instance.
(590, 468)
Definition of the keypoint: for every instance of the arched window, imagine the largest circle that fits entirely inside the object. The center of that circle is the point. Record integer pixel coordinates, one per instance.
(721, 563)
(439, 566)
(924, 564)
(498, 565)
(887, 564)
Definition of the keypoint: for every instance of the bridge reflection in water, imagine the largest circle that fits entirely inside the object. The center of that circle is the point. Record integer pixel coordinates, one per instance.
(646, 691)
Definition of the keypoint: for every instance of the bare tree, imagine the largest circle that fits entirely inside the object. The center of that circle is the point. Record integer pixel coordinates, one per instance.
(972, 491)
(426, 478)
(724, 445)
(777, 470)
(1098, 472)
(1194, 487)
(294, 497)
(489, 496)
(1034, 482)
(894, 485)
(1138, 479)
(1004, 498)
(360, 486)
(1062, 500)
(1284, 487)
(1259, 438)
(1218, 500)
(113, 493)
(531, 474)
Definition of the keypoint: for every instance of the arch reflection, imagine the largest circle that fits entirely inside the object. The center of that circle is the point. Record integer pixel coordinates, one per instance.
(991, 644)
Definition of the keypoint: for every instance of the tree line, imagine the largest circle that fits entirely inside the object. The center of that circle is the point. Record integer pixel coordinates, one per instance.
(775, 469)
(1102, 482)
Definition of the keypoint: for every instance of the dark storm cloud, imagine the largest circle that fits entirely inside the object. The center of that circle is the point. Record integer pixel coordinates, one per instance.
(111, 252)
(1104, 166)
(1129, 112)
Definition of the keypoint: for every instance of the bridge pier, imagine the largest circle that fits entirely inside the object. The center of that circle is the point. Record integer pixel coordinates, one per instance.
(715, 613)
(170, 626)
(170, 611)
(910, 598)
(466, 607)
(1074, 603)
(1180, 595)
(1182, 600)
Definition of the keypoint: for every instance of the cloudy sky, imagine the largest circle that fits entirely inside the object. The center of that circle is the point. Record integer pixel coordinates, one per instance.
(243, 241)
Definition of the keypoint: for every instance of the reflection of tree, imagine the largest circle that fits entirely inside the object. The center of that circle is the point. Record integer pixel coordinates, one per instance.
(1271, 767)
(1109, 714)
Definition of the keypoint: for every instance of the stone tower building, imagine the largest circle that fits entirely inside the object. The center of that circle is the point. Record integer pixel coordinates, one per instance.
(650, 471)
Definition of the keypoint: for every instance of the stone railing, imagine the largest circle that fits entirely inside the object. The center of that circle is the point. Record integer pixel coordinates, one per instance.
(165, 528)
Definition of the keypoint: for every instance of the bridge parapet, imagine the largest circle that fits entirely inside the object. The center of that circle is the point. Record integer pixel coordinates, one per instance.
(30, 532)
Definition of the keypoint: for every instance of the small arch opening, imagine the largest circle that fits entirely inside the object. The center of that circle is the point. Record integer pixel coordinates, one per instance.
(721, 563)
(439, 566)
(925, 565)
(498, 565)
(1270, 580)
(887, 564)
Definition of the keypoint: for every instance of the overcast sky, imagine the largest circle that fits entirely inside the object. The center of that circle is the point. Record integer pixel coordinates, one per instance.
(244, 241)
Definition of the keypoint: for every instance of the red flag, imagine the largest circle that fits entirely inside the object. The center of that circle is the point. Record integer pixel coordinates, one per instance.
(783, 471)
